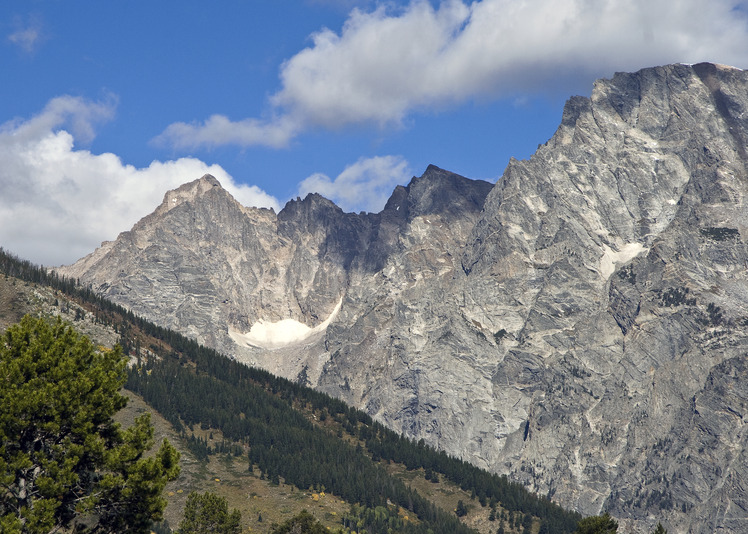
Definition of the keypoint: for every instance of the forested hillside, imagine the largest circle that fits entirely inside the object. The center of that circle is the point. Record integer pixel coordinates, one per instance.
(294, 433)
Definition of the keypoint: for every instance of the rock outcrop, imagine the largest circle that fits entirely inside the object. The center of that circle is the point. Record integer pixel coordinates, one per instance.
(579, 326)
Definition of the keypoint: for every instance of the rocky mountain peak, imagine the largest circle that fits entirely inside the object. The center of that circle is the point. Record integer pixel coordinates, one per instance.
(314, 210)
(578, 326)
(438, 191)
(190, 192)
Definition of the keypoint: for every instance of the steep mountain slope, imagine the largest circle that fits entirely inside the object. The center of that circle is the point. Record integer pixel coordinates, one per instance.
(210, 406)
(579, 326)
(617, 263)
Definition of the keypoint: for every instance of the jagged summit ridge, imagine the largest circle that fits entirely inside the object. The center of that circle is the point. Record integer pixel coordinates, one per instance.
(440, 192)
(191, 190)
(579, 325)
(188, 192)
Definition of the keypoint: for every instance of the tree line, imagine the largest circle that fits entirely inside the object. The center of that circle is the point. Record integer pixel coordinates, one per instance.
(282, 442)
(190, 384)
(261, 411)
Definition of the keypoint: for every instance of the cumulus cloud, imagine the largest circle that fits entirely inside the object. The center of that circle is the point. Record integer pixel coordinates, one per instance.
(363, 186)
(60, 202)
(387, 63)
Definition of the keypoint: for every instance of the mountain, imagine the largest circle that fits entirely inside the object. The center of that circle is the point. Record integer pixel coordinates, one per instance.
(579, 326)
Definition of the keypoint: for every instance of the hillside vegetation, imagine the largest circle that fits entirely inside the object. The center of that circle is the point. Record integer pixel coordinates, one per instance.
(293, 440)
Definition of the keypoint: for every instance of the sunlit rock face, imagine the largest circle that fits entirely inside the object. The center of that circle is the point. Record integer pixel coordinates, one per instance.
(579, 326)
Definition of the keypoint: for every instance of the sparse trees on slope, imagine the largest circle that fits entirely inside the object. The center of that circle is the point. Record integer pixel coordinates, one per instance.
(64, 462)
(207, 513)
(597, 524)
(301, 523)
(461, 509)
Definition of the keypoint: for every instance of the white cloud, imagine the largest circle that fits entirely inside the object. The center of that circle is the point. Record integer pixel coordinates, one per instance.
(80, 116)
(59, 202)
(363, 186)
(27, 36)
(219, 130)
(386, 63)
(375, 70)
(26, 39)
(247, 195)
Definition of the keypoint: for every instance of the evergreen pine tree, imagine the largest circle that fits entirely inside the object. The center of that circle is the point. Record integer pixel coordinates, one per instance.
(598, 524)
(62, 456)
(461, 509)
(208, 513)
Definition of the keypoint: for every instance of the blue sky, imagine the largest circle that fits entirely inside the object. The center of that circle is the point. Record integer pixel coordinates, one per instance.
(104, 106)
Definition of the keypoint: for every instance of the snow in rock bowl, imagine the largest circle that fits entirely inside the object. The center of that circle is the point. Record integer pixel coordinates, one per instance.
(610, 258)
(274, 335)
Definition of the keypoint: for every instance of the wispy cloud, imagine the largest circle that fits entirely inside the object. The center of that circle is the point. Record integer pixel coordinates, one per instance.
(345, 5)
(78, 115)
(390, 62)
(60, 202)
(27, 36)
(365, 185)
(219, 130)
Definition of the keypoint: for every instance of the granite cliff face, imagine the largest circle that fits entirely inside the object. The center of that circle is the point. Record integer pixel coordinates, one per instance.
(579, 326)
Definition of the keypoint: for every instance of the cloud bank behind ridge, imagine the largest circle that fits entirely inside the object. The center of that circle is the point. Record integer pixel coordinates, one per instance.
(60, 202)
(391, 62)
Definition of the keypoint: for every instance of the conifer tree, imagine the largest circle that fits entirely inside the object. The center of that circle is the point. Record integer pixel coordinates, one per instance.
(597, 524)
(461, 509)
(302, 523)
(208, 513)
(63, 460)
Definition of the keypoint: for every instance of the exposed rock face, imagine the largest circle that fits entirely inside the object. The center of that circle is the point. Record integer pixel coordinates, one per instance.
(580, 326)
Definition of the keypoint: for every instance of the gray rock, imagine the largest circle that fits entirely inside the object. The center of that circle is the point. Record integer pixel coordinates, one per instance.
(579, 326)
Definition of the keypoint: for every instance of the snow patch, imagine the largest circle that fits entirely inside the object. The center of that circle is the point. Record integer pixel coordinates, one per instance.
(274, 335)
(611, 258)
